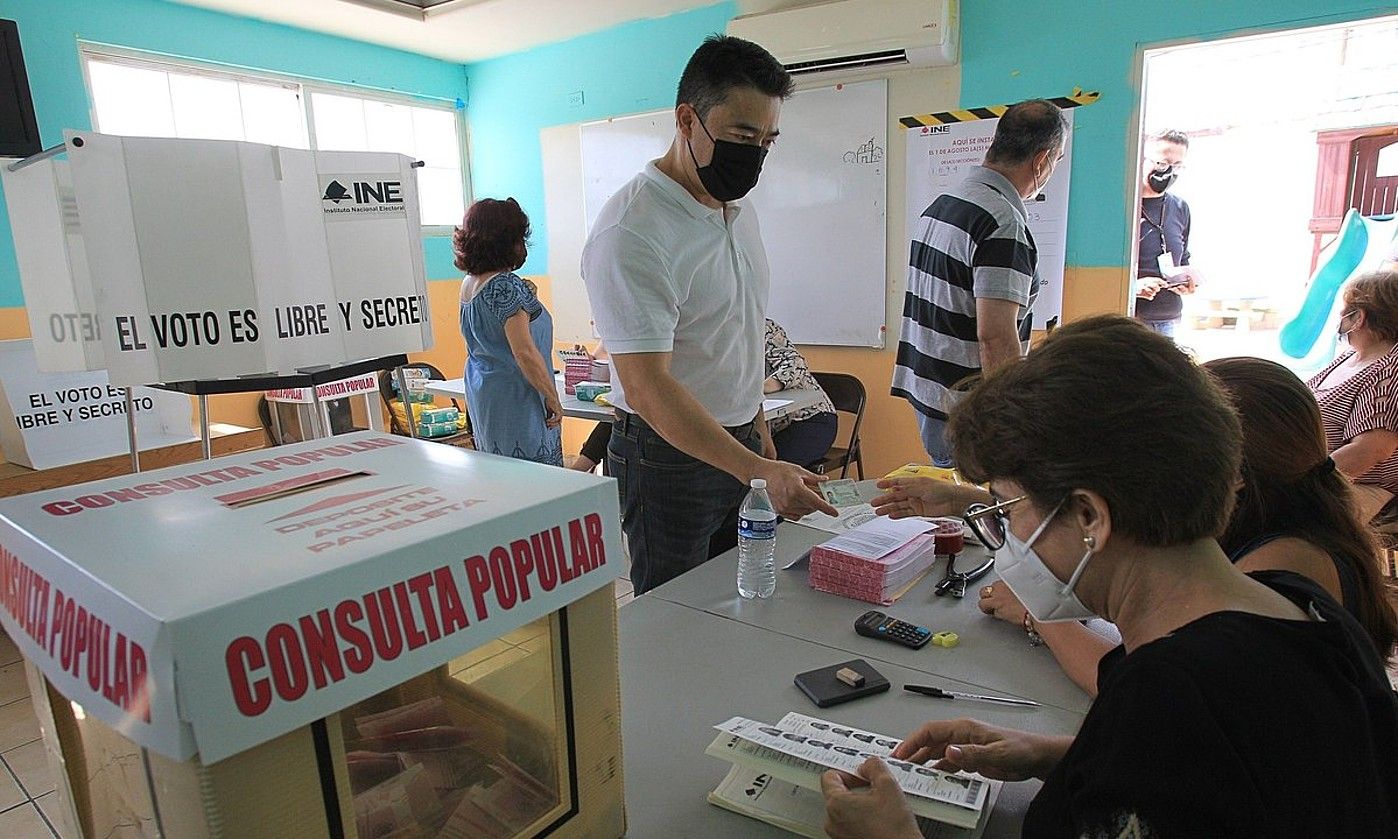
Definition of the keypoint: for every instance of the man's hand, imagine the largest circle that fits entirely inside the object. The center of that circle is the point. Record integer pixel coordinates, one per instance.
(790, 488)
(1148, 287)
(872, 807)
(973, 746)
(1191, 281)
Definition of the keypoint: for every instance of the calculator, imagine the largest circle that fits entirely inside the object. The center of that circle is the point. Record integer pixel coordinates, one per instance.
(875, 624)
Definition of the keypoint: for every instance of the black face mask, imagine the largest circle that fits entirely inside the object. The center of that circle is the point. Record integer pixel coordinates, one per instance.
(733, 170)
(1161, 179)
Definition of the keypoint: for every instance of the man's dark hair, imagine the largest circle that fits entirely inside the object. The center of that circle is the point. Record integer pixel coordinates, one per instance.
(1172, 135)
(722, 63)
(1027, 128)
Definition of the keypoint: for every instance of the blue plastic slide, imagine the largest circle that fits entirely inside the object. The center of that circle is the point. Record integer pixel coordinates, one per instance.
(1302, 331)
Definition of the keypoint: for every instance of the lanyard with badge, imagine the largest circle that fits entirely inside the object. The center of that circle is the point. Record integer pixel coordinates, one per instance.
(1166, 260)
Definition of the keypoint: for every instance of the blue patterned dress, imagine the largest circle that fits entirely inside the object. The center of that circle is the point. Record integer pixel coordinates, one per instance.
(507, 413)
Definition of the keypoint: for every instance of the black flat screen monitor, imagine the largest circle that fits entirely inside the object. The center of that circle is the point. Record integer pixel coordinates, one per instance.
(19, 134)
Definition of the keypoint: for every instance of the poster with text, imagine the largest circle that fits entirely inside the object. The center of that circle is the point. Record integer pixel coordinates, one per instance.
(939, 157)
(54, 419)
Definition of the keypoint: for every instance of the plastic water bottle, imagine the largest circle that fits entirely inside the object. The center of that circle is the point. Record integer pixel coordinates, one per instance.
(757, 543)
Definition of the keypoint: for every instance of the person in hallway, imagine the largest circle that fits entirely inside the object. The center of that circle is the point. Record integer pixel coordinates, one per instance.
(805, 436)
(1163, 269)
(678, 280)
(510, 393)
(1358, 391)
(972, 273)
(1093, 523)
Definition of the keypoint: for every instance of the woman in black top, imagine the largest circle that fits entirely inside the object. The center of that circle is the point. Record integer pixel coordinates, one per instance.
(1236, 705)
(1293, 512)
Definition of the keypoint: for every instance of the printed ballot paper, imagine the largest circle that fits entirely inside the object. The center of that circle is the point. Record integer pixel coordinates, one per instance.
(799, 748)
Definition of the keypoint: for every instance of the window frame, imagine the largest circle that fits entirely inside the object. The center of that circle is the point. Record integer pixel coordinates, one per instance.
(304, 86)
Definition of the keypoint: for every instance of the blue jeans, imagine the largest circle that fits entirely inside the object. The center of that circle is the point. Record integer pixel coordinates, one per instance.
(677, 512)
(934, 439)
(1164, 327)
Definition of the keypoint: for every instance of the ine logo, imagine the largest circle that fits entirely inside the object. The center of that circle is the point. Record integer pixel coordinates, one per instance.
(335, 192)
(362, 196)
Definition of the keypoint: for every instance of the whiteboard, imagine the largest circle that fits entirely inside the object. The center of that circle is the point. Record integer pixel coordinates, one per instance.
(822, 203)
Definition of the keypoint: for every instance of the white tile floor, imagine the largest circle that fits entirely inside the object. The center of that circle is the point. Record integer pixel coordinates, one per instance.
(28, 803)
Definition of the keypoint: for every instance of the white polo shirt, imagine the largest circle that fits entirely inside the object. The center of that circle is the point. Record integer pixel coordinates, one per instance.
(664, 273)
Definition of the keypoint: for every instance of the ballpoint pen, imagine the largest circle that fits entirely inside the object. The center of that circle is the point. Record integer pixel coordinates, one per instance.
(927, 690)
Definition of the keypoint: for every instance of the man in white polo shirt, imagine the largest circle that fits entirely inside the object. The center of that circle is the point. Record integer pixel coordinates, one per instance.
(678, 280)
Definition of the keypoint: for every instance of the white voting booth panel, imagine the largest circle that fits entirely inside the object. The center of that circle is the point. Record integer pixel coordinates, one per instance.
(53, 267)
(938, 157)
(440, 548)
(199, 259)
(54, 419)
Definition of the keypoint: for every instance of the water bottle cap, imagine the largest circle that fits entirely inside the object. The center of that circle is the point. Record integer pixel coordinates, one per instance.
(758, 483)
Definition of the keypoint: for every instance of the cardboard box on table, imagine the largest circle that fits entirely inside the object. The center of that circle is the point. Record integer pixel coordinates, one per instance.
(194, 634)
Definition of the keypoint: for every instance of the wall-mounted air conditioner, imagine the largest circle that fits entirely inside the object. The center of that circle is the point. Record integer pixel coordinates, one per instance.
(857, 34)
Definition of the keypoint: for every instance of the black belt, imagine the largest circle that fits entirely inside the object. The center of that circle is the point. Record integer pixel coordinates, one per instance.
(629, 423)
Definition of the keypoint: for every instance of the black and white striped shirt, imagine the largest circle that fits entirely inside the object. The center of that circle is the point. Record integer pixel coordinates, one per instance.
(972, 242)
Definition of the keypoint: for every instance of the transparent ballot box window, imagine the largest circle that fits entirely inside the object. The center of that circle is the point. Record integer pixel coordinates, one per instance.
(477, 748)
(482, 747)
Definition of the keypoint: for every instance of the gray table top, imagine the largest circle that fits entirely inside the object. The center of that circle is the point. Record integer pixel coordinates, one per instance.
(991, 653)
(684, 669)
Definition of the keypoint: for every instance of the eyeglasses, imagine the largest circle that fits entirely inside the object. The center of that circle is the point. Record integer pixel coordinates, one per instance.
(989, 522)
(1162, 165)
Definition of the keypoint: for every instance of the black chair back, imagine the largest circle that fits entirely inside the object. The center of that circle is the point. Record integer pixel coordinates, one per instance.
(848, 395)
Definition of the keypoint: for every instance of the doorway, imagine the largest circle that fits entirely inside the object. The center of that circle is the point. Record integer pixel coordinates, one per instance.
(1289, 182)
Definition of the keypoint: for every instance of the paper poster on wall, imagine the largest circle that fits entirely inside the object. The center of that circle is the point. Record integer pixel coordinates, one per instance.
(54, 419)
(938, 158)
(212, 258)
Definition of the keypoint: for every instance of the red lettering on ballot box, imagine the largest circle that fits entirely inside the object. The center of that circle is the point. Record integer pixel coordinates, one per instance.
(82, 643)
(294, 657)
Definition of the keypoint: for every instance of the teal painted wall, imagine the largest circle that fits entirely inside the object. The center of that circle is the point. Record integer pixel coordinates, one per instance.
(1015, 50)
(1012, 49)
(49, 33)
(626, 69)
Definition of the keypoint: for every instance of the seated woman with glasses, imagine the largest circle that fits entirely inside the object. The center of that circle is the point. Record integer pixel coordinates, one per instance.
(1237, 704)
(1292, 513)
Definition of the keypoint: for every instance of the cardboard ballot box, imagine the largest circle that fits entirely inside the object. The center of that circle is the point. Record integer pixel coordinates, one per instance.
(366, 636)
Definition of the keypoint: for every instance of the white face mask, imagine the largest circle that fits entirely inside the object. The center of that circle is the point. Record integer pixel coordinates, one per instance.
(1046, 597)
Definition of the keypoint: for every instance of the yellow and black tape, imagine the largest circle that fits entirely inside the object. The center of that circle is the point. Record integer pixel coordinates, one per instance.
(1078, 97)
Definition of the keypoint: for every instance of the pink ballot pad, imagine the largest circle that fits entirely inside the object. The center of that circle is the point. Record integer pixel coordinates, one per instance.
(879, 580)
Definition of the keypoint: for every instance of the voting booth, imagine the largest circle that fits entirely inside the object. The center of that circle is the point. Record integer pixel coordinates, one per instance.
(368, 636)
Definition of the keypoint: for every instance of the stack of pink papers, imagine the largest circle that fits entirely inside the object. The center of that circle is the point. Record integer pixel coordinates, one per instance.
(875, 562)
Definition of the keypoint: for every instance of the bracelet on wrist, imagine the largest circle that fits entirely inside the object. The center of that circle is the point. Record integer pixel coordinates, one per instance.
(1035, 639)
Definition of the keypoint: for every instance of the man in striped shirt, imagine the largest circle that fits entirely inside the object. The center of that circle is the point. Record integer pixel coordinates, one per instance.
(972, 274)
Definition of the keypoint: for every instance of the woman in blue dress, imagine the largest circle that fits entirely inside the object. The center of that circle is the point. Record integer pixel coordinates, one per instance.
(510, 391)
